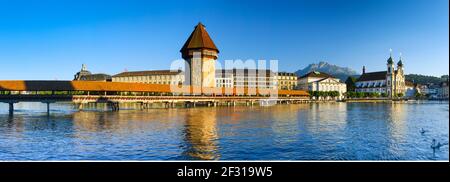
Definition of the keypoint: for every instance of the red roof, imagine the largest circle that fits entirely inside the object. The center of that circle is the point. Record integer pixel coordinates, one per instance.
(28, 85)
(199, 39)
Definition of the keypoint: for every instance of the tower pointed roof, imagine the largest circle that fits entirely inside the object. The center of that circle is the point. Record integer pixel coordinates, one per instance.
(390, 60)
(400, 63)
(198, 39)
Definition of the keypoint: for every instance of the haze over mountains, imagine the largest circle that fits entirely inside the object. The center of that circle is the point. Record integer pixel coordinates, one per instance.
(337, 71)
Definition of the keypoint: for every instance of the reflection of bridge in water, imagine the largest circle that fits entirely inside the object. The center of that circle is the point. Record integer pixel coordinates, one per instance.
(146, 95)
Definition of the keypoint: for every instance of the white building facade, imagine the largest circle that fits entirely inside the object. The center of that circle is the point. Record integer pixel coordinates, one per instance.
(165, 77)
(224, 78)
(318, 81)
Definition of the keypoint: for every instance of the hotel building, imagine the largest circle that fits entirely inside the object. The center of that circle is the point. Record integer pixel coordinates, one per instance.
(319, 81)
(286, 81)
(224, 78)
(251, 78)
(169, 77)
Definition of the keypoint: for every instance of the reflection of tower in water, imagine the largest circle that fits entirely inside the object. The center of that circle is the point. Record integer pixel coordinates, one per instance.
(201, 134)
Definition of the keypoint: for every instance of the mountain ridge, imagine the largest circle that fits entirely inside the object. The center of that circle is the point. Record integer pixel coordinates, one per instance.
(339, 72)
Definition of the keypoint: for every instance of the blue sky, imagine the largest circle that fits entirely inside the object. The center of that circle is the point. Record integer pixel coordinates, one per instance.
(50, 39)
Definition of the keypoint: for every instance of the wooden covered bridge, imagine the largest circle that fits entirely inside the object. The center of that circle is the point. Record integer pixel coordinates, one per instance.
(114, 93)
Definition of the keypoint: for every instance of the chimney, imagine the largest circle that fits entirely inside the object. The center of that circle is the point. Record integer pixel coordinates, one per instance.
(364, 70)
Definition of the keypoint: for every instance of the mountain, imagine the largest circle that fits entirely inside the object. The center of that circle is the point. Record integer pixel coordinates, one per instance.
(337, 71)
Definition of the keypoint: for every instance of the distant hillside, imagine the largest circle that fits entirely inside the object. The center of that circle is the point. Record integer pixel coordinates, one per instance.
(337, 71)
(423, 79)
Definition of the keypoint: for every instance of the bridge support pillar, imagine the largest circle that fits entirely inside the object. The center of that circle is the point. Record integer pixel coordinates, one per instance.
(48, 108)
(11, 108)
(114, 106)
(80, 106)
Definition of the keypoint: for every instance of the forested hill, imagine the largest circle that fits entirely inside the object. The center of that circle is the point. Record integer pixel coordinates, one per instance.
(424, 79)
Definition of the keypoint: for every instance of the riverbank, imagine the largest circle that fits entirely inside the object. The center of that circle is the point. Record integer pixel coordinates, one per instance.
(375, 100)
(363, 100)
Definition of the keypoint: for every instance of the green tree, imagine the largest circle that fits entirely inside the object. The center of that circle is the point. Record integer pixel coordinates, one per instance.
(376, 94)
(334, 94)
(311, 94)
(351, 84)
(418, 95)
(354, 94)
(359, 94)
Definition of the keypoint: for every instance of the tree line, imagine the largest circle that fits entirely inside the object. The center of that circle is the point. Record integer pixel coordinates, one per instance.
(423, 79)
(353, 94)
(324, 94)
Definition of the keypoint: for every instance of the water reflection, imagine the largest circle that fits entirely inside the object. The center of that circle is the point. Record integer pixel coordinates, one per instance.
(325, 131)
(200, 134)
(397, 127)
(333, 115)
(286, 129)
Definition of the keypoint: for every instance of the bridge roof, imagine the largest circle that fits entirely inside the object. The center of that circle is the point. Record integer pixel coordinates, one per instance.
(24, 85)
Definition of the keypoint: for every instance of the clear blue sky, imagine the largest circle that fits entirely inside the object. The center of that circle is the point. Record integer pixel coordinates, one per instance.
(51, 39)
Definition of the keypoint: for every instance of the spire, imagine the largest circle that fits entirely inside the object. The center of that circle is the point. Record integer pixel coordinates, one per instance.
(199, 39)
(364, 70)
(400, 63)
(390, 60)
(83, 67)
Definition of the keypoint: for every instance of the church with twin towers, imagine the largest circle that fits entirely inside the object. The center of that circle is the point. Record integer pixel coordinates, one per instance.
(390, 82)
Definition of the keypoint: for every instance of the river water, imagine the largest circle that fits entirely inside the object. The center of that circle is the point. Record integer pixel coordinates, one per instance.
(316, 131)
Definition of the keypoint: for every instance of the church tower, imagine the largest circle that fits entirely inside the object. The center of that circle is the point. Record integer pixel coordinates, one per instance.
(200, 53)
(400, 65)
(390, 86)
(400, 77)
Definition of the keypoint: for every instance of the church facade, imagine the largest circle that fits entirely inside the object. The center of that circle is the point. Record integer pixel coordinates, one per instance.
(390, 82)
